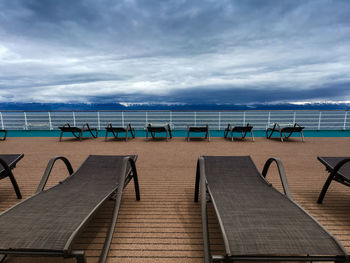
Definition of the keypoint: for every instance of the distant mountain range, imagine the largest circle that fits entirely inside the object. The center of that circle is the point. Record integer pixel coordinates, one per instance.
(191, 107)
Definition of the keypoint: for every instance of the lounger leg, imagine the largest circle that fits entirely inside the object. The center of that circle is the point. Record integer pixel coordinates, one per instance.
(188, 134)
(302, 136)
(79, 255)
(231, 136)
(80, 136)
(203, 191)
(324, 189)
(136, 180)
(281, 136)
(167, 133)
(252, 136)
(196, 185)
(2, 257)
(15, 185)
(61, 136)
(106, 136)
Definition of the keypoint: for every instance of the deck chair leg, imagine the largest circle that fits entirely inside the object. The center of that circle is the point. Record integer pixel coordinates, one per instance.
(324, 189)
(203, 191)
(106, 136)
(80, 136)
(231, 136)
(2, 257)
(80, 256)
(302, 136)
(15, 186)
(252, 136)
(61, 136)
(136, 180)
(167, 134)
(281, 136)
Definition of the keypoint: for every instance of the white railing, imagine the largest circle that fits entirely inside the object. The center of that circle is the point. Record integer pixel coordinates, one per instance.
(217, 120)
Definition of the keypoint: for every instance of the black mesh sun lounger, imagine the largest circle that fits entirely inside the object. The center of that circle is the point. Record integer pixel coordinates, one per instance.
(4, 135)
(199, 129)
(339, 170)
(159, 128)
(47, 223)
(243, 130)
(78, 132)
(285, 132)
(7, 163)
(116, 130)
(257, 221)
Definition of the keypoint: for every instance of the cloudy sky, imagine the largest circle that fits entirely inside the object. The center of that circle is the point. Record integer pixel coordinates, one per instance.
(176, 51)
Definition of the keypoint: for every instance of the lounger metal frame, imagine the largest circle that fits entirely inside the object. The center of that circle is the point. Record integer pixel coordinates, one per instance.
(201, 185)
(285, 132)
(116, 130)
(239, 129)
(78, 132)
(79, 254)
(201, 129)
(7, 172)
(158, 129)
(5, 135)
(334, 174)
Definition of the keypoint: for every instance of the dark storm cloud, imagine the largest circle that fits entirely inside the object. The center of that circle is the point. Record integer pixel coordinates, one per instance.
(179, 51)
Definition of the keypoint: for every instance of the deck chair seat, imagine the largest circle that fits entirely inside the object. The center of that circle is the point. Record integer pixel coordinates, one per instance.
(339, 170)
(78, 132)
(257, 221)
(200, 129)
(116, 130)
(48, 222)
(4, 135)
(285, 132)
(7, 163)
(153, 129)
(243, 130)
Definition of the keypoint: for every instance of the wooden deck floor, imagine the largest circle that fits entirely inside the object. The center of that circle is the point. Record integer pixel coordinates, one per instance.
(165, 226)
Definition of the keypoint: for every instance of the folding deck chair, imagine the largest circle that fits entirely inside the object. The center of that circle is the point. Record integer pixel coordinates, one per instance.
(243, 130)
(256, 220)
(47, 223)
(7, 163)
(200, 129)
(4, 132)
(116, 130)
(159, 128)
(285, 132)
(78, 132)
(339, 170)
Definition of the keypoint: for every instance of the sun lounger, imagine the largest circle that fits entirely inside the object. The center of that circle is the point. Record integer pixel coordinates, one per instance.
(116, 130)
(4, 136)
(47, 223)
(339, 170)
(159, 128)
(78, 132)
(201, 129)
(7, 163)
(243, 130)
(257, 221)
(285, 131)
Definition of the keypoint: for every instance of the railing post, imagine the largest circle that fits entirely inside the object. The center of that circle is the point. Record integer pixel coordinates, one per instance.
(219, 120)
(50, 123)
(319, 121)
(98, 121)
(2, 121)
(122, 118)
(268, 120)
(73, 118)
(146, 119)
(294, 117)
(345, 117)
(25, 121)
(244, 118)
(195, 119)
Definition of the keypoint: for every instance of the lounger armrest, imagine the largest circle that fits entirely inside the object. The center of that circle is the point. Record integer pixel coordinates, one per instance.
(281, 172)
(48, 171)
